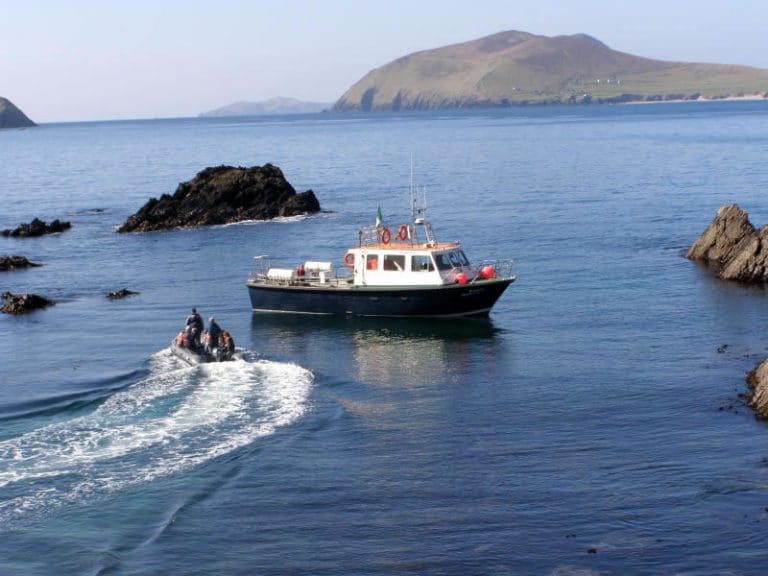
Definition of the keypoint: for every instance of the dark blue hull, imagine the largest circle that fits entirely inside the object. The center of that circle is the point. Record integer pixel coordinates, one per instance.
(475, 299)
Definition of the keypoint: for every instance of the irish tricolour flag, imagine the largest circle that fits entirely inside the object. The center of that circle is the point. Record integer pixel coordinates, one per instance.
(378, 217)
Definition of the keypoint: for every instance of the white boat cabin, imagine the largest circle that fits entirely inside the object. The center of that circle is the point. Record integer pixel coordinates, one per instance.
(408, 265)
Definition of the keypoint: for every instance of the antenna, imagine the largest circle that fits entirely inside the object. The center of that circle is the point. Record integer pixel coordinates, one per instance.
(411, 171)
(418, 215)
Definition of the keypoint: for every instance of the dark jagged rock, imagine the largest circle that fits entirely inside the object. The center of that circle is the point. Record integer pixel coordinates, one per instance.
(11, 116)
(15, 262)
(23, 303)
(38, 228)
(733, 248)
(118, 294)
(757, 398)
(223, 195)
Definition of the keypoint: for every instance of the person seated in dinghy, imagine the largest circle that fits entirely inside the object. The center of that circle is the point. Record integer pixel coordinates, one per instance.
(228, 344)
(187, 338)
(212, 335)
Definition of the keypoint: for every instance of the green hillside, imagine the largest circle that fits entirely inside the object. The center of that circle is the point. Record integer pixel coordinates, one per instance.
(517, 68)
(11, 116)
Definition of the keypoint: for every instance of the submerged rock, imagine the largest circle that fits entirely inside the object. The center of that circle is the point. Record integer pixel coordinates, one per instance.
(118, 294)
(23, 303)
(38, 228)
(15, 262)
(732, 247)
(757, 399)
(223, 195)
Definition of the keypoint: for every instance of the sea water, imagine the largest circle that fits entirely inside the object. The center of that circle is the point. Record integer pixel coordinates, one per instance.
(593, 424)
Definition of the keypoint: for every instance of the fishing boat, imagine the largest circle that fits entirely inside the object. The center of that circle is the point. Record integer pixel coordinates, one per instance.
(396, 272)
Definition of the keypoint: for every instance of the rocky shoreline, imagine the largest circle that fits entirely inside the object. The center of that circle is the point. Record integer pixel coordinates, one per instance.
(757, 398)
(223, 195)
(735, 250)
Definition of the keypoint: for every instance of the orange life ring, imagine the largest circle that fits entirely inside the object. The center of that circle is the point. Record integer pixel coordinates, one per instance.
(402, 233)
(349, 259)
(386, 235)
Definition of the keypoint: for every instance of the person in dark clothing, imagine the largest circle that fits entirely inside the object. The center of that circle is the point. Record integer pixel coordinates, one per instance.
(196, 322)
(214, 331)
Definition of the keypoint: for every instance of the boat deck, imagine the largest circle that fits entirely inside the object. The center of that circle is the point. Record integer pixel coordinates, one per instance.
(310, 282)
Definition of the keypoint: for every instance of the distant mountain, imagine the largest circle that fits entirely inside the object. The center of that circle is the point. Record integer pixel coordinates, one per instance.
(11, 116)
(277, 105)
(517, 68)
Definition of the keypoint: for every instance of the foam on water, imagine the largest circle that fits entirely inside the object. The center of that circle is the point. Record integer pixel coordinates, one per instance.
(175, 419)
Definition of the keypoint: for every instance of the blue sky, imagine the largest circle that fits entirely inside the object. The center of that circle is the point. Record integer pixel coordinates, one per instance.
(90, 60)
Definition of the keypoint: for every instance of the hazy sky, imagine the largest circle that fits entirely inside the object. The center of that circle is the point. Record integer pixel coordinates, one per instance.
(87, 60)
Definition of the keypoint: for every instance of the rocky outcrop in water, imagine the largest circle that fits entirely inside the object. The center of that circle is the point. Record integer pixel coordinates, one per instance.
(119, 294)
(737, 251)
(15, 262)
(757, 399)
(38, 228)
(23, 303)
(732, 247)
(223, 195)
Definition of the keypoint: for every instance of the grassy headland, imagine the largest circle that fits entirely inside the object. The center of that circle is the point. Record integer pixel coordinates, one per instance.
(517, 69)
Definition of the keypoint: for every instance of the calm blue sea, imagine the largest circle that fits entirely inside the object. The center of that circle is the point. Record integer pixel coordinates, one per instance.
(590, 426)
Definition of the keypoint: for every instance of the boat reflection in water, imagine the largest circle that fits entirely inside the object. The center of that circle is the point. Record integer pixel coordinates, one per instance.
(382, 351)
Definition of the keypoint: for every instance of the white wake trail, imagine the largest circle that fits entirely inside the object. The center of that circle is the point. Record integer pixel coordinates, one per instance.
(172, 421)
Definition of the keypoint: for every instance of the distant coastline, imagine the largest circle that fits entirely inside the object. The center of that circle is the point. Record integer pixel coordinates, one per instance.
(744, 98)
(279, 105)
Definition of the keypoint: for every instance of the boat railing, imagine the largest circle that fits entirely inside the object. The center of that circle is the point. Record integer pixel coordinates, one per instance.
(502, 268)
(369, 235)
(261, 265)
(400, 234)
(305, 274)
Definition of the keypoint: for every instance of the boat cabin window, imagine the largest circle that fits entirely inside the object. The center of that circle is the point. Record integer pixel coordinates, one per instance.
(372, 262)
(421, 263)
(394, 262)
(452, 259)
(442, 262)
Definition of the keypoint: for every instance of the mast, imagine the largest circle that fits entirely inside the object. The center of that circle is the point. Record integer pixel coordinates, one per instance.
(419, 214)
